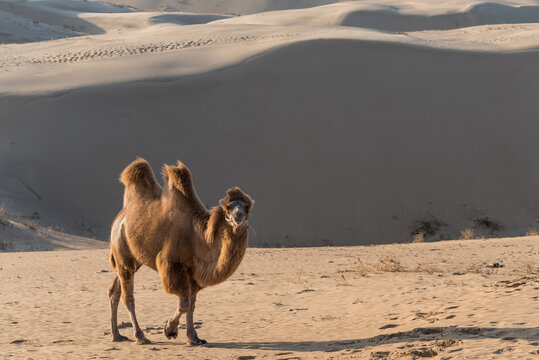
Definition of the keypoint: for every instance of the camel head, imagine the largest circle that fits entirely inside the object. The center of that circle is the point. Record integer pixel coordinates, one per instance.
(236, 207)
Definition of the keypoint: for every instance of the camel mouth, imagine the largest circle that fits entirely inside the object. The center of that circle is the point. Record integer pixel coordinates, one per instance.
(237, 213)
(237, 219)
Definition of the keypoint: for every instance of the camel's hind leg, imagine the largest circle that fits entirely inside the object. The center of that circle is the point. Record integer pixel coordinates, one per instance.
(127, 282)
(115, 291)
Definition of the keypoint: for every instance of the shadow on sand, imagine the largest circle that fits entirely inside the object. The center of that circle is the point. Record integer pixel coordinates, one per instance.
(418, 334)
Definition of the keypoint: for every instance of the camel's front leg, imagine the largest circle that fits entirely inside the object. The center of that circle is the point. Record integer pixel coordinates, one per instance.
(192, 337)
(175, 280)
(171, 329)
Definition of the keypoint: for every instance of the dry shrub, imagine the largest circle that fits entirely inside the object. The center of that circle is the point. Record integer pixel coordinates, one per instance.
(342, 281)
(528, 267)
(425, 267)
(3, 245)
(419, 237)
(480, 268)
(3, 213)
(532, 232)
(467, 234)
(29, 225)
(362, 268)
(390, 263)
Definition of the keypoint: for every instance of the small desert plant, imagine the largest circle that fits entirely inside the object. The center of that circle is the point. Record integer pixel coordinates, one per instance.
(426, 267)
(342, 281)
(29, 225)
(467, 234)
(307, 285)
(419, 237)
(3, 245)
(528, 267)
(390, 263)
(3, 213)
(532, 232)
(363, 268)
(481, 268)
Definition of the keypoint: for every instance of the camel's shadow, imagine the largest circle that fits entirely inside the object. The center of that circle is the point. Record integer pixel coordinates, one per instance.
(418, 334)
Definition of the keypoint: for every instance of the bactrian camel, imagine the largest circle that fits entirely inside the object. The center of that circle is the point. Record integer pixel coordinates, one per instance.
(172, 232)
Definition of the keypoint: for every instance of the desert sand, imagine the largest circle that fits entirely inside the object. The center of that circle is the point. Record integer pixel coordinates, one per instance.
(355, 123)
(305, 303)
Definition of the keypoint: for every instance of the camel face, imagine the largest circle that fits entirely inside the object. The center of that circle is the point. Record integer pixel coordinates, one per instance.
(237, 213)
(236, 207)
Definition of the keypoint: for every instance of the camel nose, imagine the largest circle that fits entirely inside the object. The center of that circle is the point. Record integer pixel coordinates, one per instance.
(239, 215)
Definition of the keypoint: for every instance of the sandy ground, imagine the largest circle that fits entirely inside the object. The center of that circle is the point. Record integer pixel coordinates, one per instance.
(303, 303)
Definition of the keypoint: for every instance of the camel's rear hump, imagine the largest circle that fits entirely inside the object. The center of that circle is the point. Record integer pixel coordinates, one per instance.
(139, 173)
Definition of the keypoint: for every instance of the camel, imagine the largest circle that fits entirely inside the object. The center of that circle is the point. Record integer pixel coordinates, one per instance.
(169, 230)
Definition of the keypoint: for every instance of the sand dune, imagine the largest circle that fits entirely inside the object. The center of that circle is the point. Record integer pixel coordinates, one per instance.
(393, 17)
(217, 6)
(343, 134)
(439, 158)
(48, 20)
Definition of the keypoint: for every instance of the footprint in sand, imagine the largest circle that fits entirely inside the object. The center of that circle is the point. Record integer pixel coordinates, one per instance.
(504, 350)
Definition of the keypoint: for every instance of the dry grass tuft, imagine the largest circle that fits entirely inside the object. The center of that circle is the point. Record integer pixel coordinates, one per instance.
(390, 263)
(29, 225)
(532, 232)
(419, 237)
(425, 267)
(528, 267)
(362, 268)
(342, 281)
(481, 268)
(3, 213)
(307, 285)
(467, 234)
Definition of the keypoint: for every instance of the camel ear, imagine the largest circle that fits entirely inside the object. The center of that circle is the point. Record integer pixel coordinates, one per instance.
(222, 203)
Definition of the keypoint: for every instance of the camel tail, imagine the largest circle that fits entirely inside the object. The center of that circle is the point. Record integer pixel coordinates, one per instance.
(139, 172)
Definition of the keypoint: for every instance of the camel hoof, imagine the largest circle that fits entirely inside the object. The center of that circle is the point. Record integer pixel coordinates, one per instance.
(119, 338)
(143, 341)
(171, 333)
(196, 342)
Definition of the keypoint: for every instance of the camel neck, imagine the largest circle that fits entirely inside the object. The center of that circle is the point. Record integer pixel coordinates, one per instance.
(233, 246)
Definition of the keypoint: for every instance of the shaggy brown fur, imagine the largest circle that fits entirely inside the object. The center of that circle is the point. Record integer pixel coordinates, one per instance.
(171, 231)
